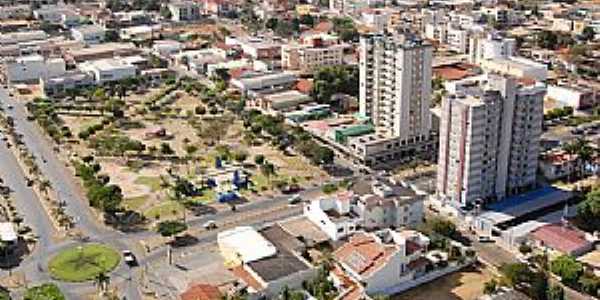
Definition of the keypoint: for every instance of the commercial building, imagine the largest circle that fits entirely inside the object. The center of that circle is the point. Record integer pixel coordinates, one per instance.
(395, 84)
(32, 68)
(575, 96)
(264, 81)
(312, 53)
(490, 132)
(89, 34)
(271, 263)
(109, 69)
(184, 10)
(101, 51)
(60, 85)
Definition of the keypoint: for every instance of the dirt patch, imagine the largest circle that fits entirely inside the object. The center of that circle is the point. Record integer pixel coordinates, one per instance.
(464, 285)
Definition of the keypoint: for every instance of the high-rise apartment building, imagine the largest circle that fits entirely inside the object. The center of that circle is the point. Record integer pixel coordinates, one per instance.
(395, 84)
(489, 139)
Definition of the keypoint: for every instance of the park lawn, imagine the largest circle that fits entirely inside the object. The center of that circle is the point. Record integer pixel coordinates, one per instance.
(260, 181)
(134, 203)
(83, 263)
(165, 210)
(154, 183)
(208, 196)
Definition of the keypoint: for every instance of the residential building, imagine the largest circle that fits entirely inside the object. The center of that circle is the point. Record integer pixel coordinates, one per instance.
(385, 261)
(58, 14)
(395, 84)
(312, 53)
(184, 10)
(19, 11)
(377, 19)
(369, 204)
(516, 66)
(555, 165)
(109, 69)
(261, 48)
(89, 34)
(32, 68)
(489, 139)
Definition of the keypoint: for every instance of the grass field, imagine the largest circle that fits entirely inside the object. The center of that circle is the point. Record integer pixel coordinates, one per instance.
(83, 263)
(154, 183)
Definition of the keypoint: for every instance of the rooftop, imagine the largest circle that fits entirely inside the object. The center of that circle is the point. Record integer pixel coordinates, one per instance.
(238, 240)
(201, 292)
(561, 238)
(364, 254)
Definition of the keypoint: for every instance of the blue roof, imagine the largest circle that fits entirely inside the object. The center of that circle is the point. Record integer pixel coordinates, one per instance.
(520, 199)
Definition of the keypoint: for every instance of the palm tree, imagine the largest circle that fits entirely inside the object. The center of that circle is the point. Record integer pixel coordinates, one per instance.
(102, 281)
(45, 185)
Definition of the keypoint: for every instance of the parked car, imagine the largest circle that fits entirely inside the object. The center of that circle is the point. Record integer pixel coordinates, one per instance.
(295, 199)
(485, 239)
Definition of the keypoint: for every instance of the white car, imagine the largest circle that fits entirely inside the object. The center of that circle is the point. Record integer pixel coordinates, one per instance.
(295, 199)
(210, 225)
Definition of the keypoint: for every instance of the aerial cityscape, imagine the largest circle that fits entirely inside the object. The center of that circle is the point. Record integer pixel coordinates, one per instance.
(300, 149)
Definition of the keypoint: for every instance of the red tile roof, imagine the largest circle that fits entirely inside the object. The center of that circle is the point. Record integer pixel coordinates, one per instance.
(246, 277)
(324, 26)
(304, 86)
(201, 292)
(561, 238)
(363, 254)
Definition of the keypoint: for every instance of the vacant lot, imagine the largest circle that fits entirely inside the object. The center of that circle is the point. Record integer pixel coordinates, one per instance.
(464, 285)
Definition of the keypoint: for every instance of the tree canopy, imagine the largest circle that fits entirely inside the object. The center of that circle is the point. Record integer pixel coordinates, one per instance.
(46, 291)
(567, 268)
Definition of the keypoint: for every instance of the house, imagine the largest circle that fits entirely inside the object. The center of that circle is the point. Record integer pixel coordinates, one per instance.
(369, 204)
(59, 14)
(384, 260)
(89, 34)
(22, 37)
(561, 239)
(109, 69)
(273, 261)
(558, 164)
(591, 261)
(184, 10)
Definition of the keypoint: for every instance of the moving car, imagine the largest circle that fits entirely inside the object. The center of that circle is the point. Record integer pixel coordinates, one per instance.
(130, 258)
(295, 199)
(210, 225)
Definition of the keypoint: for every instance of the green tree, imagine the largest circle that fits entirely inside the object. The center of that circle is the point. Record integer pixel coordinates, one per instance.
(589, 284)
(165, 13)
(259, 159)
(516, 273)
(47, 291)
(335, 79)
(588, 33)
(588, 211)
(443, 227)
(567, 268)
(171, 228)
(490, 286)
(555, 292)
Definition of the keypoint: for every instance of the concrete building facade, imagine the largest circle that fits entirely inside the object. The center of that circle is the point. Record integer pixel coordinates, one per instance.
(489, 140)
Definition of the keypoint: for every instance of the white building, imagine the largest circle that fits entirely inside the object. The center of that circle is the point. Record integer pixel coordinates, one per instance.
(489, 139)
(184, 10)
(377, 19)
(519, 67)
(264, 81)
(575, 96)
(23, 37)
(32, 68)
(490, 46)
(166, 48)
(140, 33)
(109, 70)
(370, 204)
(58, 14)
(395, 84)
(89, 34)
